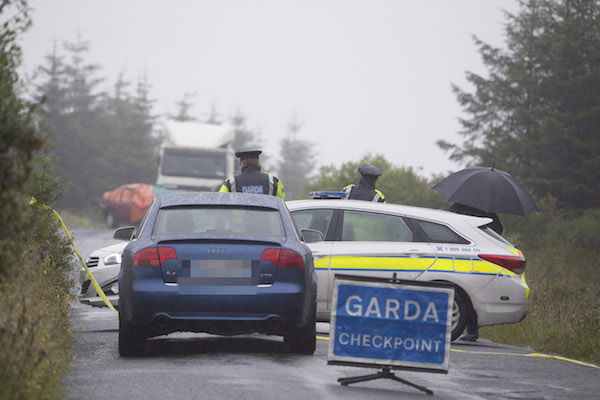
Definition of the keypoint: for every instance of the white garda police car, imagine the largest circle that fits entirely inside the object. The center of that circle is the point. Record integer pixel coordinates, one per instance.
(380, 240)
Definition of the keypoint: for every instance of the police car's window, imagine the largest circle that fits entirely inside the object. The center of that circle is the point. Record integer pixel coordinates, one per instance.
(313, 219)
(219, 220)
(372, 227)
(439, 233)
(495, 235)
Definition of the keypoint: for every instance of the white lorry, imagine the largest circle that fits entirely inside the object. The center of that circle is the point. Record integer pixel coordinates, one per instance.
(195, 156)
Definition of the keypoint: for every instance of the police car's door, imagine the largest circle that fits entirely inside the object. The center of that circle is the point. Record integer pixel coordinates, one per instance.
(377, 244)
(318, 219)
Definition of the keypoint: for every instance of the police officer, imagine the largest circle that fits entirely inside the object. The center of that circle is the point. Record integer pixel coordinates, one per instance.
(472, 327)
(252, 180)
(366, 187)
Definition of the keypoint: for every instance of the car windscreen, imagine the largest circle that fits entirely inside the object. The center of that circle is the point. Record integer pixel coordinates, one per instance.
(219, 220)
(194, 163)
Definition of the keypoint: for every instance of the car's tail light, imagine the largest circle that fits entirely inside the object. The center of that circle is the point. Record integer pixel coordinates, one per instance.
(154, 256)
(290, 259)
(514, 263)
(283, 258)
(270, 255)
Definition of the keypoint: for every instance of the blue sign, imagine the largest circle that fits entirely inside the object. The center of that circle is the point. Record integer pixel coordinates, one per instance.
(383, 323)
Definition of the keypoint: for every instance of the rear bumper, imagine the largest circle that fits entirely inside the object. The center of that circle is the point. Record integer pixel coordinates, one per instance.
(498, 313)
(156, 308)
(504, 300)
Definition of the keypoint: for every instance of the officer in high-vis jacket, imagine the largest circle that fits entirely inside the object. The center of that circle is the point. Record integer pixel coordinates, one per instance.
(365, 190)
(252, 180)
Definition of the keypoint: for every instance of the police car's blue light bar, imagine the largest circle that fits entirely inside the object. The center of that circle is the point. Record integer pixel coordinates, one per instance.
(327, 195)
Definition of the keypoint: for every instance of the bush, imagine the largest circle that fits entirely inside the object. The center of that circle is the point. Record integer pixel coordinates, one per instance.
(554, 227)
(36, 338)
(400, 185)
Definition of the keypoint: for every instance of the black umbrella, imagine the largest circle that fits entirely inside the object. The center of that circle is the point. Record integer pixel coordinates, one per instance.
(487, 189)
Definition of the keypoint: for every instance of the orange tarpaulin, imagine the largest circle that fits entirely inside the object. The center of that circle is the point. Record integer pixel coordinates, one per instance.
(136, 196)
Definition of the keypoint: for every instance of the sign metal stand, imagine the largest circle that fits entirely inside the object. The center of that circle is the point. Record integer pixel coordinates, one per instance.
(385, 373)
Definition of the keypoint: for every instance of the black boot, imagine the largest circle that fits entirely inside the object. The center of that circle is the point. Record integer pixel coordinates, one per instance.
(472, 334)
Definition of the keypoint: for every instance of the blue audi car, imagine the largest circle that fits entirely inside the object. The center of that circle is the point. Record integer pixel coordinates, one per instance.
(221, 263)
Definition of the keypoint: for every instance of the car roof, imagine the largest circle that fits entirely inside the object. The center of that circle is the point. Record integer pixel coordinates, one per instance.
(218, 198)
(419, 212)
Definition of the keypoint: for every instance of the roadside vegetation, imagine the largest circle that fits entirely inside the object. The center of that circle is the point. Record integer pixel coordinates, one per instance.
(562, 252)
(401, 185)
(35, 259)
(35, 334)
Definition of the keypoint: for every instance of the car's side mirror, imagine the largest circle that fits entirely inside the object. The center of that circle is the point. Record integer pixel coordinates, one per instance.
(125, 233)
(311, 235)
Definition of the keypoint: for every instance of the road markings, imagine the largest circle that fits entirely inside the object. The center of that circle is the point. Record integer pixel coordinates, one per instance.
(539, 355)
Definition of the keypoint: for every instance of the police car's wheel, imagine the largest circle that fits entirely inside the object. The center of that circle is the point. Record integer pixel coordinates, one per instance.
(459, 313)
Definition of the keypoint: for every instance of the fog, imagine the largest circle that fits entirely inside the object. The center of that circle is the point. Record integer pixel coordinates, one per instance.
(363, 76)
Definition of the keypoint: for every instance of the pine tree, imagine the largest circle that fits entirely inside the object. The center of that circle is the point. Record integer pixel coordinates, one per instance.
(19, 139)
(130, 154)
(213, 116)
(100, 141)
(245, 138)
(71, 119)
(537, 113)
(183, 108)
(297, 160)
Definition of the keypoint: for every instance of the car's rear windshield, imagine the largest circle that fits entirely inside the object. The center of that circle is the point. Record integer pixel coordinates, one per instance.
(219, 220)
(494, 234)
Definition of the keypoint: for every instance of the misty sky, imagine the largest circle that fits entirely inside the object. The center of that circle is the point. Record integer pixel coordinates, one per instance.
(365, 76)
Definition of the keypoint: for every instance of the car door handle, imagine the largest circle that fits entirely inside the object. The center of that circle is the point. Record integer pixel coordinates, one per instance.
(319, 254)
(414, 253)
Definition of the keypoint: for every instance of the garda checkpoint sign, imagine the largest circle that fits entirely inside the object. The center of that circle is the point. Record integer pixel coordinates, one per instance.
(394, 323)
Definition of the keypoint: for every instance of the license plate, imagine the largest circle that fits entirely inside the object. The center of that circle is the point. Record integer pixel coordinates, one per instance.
(220, 269)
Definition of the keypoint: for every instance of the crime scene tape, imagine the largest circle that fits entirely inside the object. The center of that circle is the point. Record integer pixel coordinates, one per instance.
(540, 355)
(99, 290)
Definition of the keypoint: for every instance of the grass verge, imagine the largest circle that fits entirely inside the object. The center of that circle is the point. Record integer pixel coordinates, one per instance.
(89, 218)
(564, 312)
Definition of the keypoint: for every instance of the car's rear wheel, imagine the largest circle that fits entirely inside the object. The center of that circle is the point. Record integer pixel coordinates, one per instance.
(304, 340)
(109, 219)
(460, 309)
(131, 342)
